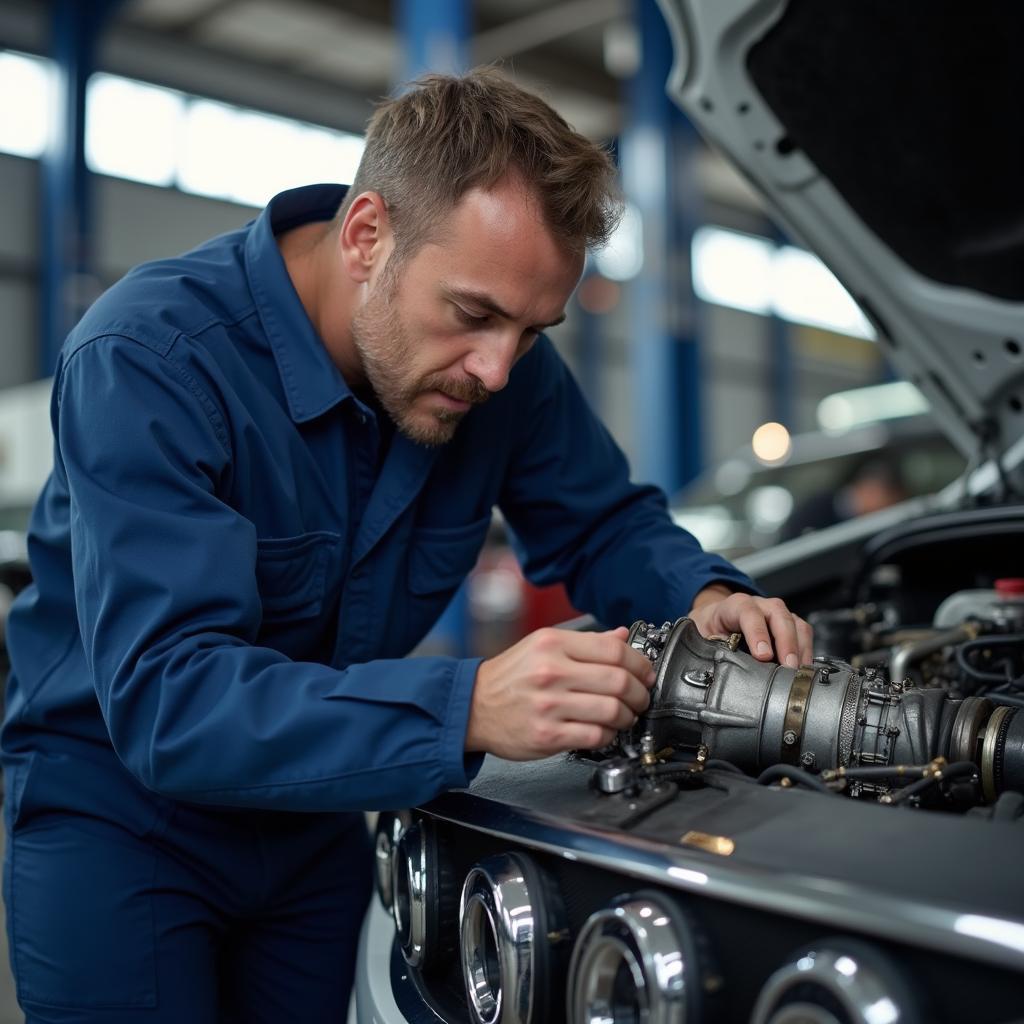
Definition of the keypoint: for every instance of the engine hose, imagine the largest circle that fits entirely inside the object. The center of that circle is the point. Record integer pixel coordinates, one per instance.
(956, 770)
(881, 771)
(797, 776)
(982, 643)
(1004, 698)
(1009, 807)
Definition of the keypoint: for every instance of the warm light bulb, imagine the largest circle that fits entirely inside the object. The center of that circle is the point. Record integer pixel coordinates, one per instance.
(771, 443)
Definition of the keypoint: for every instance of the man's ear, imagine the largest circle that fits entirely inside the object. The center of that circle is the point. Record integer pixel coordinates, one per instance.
(365, 239)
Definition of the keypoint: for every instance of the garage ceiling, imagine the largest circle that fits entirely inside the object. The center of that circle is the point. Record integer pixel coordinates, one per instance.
(354, 44)
(328, 61)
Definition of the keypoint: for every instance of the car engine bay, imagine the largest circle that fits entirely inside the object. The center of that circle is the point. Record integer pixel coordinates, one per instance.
(891, 709)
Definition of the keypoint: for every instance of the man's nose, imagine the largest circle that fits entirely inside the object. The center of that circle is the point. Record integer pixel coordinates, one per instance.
(491, 361)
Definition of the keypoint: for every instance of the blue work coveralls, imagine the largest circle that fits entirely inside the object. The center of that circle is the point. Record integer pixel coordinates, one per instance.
(207, 673)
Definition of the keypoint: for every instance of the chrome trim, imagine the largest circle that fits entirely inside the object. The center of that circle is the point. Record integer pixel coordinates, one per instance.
(497, 905)
(854, 975)
(411, 869)
(628, 963)
(830, 902)
(390, 826)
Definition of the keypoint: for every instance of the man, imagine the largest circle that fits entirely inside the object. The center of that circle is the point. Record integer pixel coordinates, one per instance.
(276, 460)
(876, 483)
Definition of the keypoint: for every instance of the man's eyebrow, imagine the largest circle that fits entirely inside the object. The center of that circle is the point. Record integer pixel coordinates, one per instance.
(483, 301)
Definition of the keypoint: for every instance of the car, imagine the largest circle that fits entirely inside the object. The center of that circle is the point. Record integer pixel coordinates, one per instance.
(745, 503)
(839, 843)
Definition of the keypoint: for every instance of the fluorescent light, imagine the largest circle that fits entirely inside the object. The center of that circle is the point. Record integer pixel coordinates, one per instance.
(845, 410)
(248, 157)
(133, 130)
(210, 159)
(732, 269)
(805, 291)
(28, 87)
(751, 273)
(163, 137)
(623, 257)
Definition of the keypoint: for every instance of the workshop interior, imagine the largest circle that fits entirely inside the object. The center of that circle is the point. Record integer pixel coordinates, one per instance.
(807, 330)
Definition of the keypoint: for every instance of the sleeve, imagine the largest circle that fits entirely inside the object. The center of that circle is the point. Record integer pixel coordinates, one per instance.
(169, 612)
(577, 518)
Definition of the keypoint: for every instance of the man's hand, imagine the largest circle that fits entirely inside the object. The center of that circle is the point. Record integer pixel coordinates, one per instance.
(557, 690)
(716, 609)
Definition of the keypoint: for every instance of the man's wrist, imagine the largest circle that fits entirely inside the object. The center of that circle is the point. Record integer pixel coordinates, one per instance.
(710, 594)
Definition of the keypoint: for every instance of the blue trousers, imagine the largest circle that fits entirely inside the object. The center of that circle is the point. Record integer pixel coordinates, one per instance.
(210, 917)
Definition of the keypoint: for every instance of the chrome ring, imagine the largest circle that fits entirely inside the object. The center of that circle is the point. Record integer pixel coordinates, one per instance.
(991, 750)
(851, 978)
(509, 924)
(636, 958)
(410, 876)
(482, 960)
(390, 826)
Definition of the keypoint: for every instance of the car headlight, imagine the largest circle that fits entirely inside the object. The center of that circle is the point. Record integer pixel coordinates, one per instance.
(511, 926)
(390, 826)
(839, 981)
(635, 960)
(423, 897)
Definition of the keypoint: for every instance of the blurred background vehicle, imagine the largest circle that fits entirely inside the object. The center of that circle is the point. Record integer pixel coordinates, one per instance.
(746, 503)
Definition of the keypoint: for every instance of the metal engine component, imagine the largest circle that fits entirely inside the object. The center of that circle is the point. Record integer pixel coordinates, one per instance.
(721, 703)
(512, 927)
(424, 899)
(390, 826)
(636, 960)
(837, 982)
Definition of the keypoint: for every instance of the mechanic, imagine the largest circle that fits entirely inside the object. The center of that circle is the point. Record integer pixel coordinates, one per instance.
(276, 459)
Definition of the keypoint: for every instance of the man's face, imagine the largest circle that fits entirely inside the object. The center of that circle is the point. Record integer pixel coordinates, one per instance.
(440, 333)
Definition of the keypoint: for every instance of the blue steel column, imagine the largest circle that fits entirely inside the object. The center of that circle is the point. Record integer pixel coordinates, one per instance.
(67, 262)
(435, 37)
(658, 154)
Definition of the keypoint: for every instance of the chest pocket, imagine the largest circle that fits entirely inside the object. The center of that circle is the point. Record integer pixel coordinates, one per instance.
(296, 574)
(440, 557)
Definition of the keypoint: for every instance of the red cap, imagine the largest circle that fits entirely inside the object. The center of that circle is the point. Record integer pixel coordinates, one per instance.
(1012, 586)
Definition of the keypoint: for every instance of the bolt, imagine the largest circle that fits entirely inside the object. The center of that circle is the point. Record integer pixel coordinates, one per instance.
(808, 760)
(789, 738)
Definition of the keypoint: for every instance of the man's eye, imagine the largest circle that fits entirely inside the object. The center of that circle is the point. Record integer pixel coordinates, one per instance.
(470, 319)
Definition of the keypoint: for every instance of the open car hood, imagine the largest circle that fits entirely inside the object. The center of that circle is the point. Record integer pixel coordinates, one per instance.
(885, 137)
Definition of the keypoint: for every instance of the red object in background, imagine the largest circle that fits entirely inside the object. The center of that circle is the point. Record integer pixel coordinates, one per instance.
(545, 606)
(503, 607)
(1011, 586)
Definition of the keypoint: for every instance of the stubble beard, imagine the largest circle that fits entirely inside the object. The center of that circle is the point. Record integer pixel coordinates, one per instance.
(386, 351)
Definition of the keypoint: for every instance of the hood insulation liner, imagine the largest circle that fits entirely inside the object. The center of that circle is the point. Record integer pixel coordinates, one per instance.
(913, 112)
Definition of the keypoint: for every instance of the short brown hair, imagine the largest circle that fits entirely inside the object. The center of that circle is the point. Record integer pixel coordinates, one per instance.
(426, 148)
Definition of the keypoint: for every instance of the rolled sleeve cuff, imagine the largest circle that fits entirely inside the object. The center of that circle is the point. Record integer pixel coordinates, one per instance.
(718, 571)
(459, 767)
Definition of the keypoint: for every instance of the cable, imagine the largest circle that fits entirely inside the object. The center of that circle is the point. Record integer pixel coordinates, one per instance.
(878, 771)
(721, 765)
(797, 776)
(1005, 698)
(955, 770)
(1013, 640)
